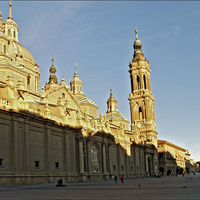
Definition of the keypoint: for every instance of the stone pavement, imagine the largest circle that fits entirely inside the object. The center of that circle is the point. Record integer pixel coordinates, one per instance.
(164, 188)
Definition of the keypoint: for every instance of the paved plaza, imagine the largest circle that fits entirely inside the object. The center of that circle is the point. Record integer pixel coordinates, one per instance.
(166, 187)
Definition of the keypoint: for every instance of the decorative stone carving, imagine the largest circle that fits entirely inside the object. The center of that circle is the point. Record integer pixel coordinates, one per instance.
(94, 158)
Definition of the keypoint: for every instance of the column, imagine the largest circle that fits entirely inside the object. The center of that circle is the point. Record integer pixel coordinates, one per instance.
(14, 145)
(73, 155)
(27, 146)
(47, 153)
(141, 81)
(104, 157)
(81, 160)
(89, 169)
(134, 81)
(127, 165)
(135, 160)
(110, 158)
(118, 159)
(66, 160)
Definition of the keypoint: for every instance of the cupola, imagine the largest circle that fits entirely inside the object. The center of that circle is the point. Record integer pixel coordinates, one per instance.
(137, 44)
(10, 27)
(76, 83)
(53, 77)
(111, 103)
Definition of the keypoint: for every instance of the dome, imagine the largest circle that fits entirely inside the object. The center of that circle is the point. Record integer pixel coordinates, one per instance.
(18, 50)
(10, 22)
(76, 79)
(137, 43)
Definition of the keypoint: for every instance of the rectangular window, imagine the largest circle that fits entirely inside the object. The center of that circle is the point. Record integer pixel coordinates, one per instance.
(57, 165)
(37, 164)
(122, 167)
(1, 162)
(131, 167)
(114, 167)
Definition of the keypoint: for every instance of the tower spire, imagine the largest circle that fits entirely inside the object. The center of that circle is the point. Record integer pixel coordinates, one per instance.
(52, 60)
(0, 21)
(137, 44)
(10, 10)
(136, 33)
(75, 73)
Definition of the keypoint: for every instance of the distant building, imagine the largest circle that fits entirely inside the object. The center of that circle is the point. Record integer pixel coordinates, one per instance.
(57, 133)
(172, 158)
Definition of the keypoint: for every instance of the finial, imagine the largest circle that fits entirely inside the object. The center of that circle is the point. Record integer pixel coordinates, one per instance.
(0, 20)
(75, 73)
(136, 33)
(10, 11)
(52, 60)
(110, 90)
(63, 73)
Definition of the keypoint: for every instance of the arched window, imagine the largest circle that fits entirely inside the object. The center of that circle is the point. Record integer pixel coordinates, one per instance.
(14, 34)
(63, 95)
(144, 79)
(73, 89)
(140, 113)
(132, 86)
(138, 82)
(9, 32)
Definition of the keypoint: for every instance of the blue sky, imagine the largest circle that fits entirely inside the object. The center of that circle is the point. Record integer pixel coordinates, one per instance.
(99, 36)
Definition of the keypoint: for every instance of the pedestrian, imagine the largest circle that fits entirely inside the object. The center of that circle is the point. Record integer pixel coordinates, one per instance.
(122, 178)
(115, 177)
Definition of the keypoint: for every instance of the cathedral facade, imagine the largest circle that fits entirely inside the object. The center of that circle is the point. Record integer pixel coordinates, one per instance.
(57, 133)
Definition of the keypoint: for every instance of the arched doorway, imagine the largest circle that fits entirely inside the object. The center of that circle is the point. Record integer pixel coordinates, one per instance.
(161, 170)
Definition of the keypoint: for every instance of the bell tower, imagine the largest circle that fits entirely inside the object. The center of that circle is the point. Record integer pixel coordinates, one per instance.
(141, 98)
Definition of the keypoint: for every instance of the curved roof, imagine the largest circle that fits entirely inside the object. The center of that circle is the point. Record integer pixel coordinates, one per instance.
(115, 116)
(19, 50)
(84, 100)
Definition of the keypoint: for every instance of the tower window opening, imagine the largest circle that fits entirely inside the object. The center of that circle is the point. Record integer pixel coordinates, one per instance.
(73, 89)
(63, 95)
(138, 82)
(140, 113)
(9, 32)
(132, 86)
(14, 34)
(28, 81)
(4, 49)
(144, 79)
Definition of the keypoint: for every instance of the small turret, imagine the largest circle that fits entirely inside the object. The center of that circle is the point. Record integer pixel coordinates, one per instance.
(10, 11)
(53, 77)
(137, 45)
(111, 103)
(10, 27)
(76, 83)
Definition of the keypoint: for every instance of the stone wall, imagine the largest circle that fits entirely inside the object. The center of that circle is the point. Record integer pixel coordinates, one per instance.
(34, 149)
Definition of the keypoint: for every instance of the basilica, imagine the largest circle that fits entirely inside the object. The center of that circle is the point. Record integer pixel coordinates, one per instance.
(56, 133)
